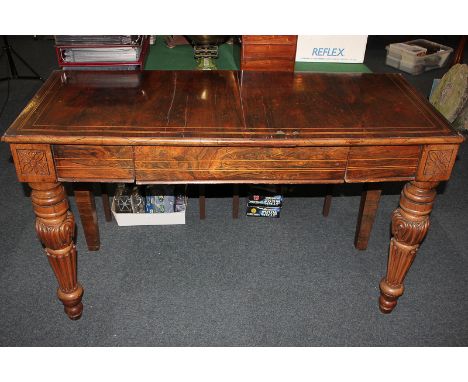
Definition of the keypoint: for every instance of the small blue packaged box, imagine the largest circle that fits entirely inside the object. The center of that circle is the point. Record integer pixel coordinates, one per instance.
(266, 212)
(268, 201)
(160, 199)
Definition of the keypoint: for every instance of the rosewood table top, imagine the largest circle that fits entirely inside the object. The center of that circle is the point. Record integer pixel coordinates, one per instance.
(229, 108)
(230, 127)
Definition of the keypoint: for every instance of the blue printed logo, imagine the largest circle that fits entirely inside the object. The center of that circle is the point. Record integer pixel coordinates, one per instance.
(331, 52)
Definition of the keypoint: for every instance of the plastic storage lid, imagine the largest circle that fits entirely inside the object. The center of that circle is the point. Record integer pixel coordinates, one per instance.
(415, 50)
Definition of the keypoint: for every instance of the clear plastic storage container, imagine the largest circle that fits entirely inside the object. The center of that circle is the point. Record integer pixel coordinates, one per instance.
(417, 56)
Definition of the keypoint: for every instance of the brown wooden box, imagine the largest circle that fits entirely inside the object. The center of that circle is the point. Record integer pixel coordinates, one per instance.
(272, 52)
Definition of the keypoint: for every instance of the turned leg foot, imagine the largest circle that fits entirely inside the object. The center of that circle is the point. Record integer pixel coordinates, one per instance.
(55, 227)
(72, 304)
(410, 223)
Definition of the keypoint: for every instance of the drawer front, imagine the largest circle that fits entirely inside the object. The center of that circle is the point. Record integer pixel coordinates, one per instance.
(239, 164)
(268, 57)
(381, 163)
(269, 39)
(266, 64)
(270, 51)
(93, 163)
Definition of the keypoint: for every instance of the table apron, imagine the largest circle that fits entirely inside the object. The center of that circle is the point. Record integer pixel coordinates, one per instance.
(226, 164)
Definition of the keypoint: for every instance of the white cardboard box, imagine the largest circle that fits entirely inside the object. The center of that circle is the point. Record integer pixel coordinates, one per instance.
(149, 219)
(339, 49)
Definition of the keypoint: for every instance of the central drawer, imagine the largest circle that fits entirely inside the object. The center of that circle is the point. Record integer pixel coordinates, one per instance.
(239, 164)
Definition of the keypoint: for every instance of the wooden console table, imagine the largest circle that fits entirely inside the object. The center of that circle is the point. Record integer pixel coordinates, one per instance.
(229, 127)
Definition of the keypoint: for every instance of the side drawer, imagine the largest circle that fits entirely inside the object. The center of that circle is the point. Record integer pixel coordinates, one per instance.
(382, 163)
(239, 164)
(93, 163)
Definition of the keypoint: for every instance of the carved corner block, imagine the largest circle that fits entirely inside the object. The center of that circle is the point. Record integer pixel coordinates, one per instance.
(33, 162)
(436, 162)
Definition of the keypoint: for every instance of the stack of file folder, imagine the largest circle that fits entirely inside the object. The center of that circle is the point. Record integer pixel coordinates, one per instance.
(105, 51)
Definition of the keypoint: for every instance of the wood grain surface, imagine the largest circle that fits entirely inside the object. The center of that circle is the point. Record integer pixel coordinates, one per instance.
(229, 108)
(102, 163)
(240, 164)
(275, 53)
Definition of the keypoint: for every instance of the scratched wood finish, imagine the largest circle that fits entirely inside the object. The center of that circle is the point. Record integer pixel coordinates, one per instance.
(100, 163)
(235, 164)
(229, 108)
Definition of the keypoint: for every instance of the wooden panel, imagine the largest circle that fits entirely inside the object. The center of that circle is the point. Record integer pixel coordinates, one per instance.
(269, 39)
(269, 51)
(33, 163)
(229, 108)
(381, 163)
(80, 162)
(436, 162)
(242, 164)
(268, 57)
(268, 65)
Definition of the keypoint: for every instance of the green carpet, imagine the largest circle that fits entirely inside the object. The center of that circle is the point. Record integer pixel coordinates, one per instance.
(161, 57)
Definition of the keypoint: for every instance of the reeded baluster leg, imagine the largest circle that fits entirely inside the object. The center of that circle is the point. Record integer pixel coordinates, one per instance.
(55, 226)
(410, 223)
